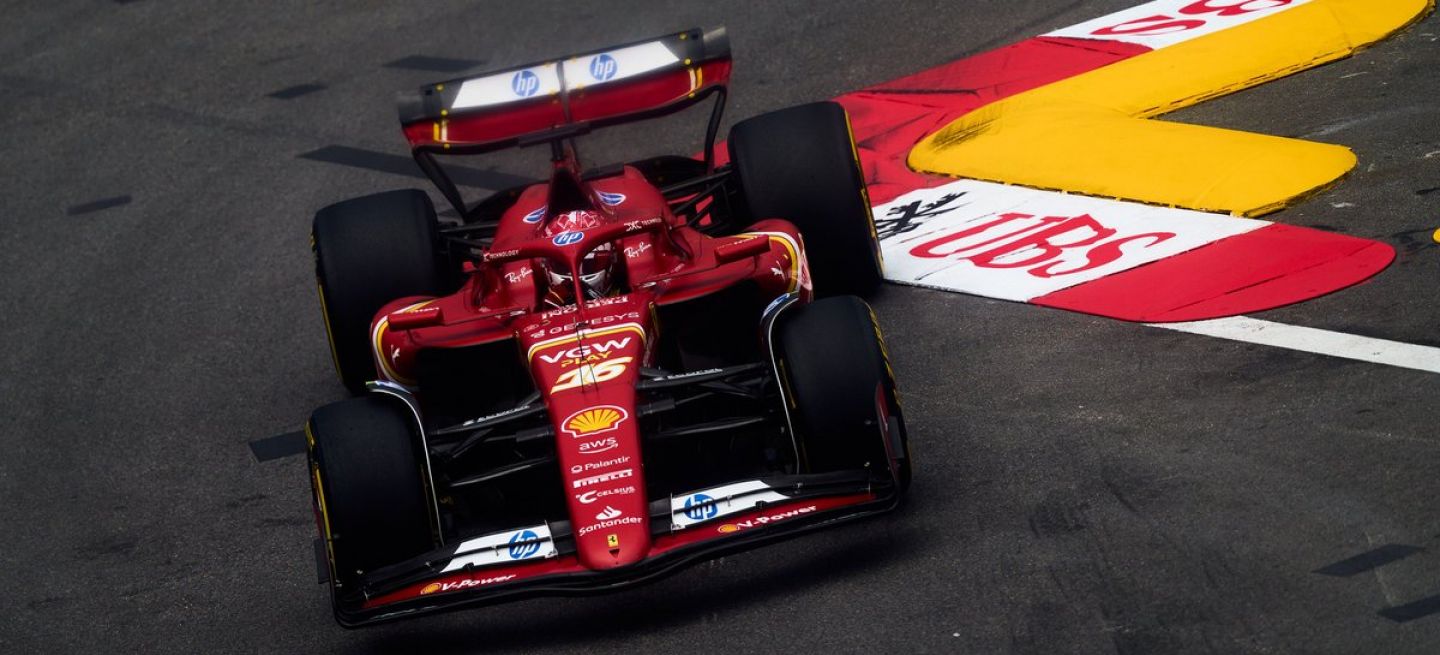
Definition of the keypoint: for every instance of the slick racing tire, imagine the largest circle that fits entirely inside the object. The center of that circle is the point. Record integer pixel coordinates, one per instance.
(800, 164)
(368, 252)
(838, 373)
(369, 484)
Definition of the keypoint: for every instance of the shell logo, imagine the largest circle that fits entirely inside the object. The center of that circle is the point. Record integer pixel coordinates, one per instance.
(595, 420)
(728, 528)
(430, 588)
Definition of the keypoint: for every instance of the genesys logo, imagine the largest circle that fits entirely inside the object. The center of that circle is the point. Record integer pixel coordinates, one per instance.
(593, 480)
(606, 525)
(542, 330)
(607, 514)
(524, 544)
(699, 507)
(758, 521)
(463, 584)
(596, 494)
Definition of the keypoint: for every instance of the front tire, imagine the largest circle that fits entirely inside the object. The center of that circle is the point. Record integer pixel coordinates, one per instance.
(800, 164)
(847, 407)
(369, 484)
(368, 252)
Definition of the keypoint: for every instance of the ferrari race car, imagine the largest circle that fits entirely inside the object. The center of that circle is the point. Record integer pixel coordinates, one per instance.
(591, 381)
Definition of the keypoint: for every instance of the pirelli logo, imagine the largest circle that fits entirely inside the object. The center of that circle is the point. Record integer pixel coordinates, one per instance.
(581, 483)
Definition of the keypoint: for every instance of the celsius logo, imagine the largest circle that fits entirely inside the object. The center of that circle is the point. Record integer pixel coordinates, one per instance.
(591, 496)
(523, 544)
(525, 84)
(612, 199)
(609, 513)
(568, 238)
(700, 507)
(603, 67)
(535, 216)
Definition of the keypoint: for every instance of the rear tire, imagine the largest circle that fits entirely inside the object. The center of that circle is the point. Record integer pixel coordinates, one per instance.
(368, 252)
(799, 164)
(834, 358)
(369, 485)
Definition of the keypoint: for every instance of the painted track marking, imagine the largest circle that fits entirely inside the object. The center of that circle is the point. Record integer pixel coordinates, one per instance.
(1314, 340)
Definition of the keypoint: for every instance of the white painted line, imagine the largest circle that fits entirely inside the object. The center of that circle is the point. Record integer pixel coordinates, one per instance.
(1312, 340)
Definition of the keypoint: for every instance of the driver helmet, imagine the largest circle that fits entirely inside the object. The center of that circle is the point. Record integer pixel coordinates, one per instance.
(595, 268)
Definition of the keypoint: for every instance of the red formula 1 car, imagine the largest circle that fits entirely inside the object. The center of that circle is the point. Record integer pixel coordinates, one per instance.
(594, 380)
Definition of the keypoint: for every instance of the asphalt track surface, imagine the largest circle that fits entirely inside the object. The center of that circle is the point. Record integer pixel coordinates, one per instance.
(1082, 485)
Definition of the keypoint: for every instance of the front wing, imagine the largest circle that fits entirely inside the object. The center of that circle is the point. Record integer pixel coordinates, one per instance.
(540, 560)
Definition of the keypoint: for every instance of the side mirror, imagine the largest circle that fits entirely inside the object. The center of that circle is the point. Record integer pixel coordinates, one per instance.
(416, 318)
(735, 251)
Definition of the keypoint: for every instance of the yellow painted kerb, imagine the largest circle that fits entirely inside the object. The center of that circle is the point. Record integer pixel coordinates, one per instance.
(1088, 134)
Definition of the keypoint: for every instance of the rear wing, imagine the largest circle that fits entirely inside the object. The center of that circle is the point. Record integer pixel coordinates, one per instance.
(554, 100)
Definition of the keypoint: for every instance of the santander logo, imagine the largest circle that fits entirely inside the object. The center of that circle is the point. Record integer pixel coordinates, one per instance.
(607, 514)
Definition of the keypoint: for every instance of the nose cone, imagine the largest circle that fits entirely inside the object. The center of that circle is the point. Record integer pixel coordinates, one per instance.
(587, 373)
(607, 499)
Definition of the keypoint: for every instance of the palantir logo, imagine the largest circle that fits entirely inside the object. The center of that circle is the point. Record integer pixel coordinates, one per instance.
(523, 544)
(603, 67)
(699, 507)
(567, 238)
(525, 83)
